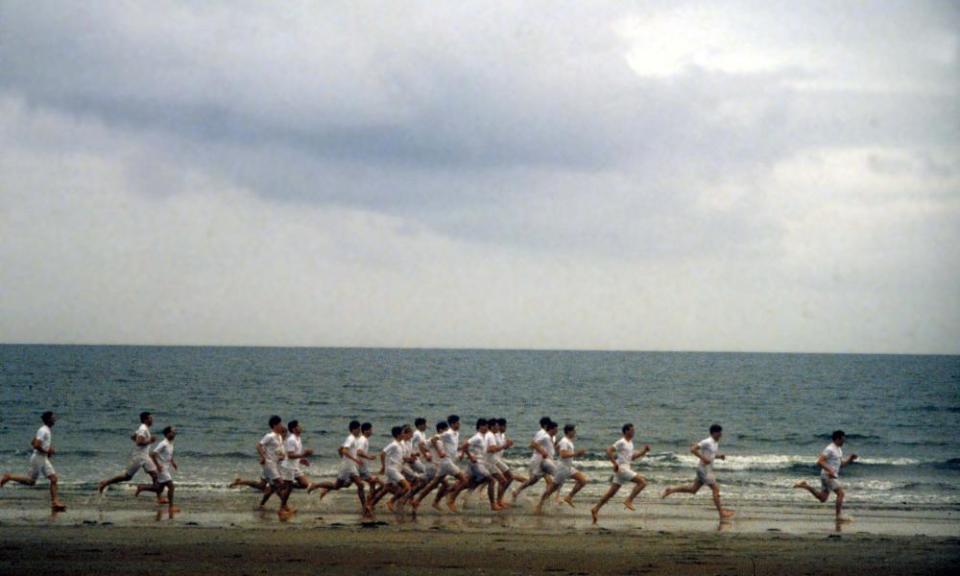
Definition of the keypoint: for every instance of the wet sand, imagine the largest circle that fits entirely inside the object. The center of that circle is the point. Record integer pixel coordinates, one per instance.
(384, 549)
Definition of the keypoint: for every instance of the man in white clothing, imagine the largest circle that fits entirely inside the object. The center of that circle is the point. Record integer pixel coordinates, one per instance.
(42, 445)
(706, 451)
(830, 463)
(621, 454)
(139, 457)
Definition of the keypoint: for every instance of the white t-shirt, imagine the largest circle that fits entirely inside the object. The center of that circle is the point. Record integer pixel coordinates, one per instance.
(351, 444)
(44, 435)
(419, 439)
(624, 449)
(544, 440)
(708, 449)
(142, 433)
(293, 445)
(433, 449)
(566, 445)
(394, 455)
(164, 452)
(490, 441)
(272, 446)
(478, 446)
(451, 443)
(834, 456)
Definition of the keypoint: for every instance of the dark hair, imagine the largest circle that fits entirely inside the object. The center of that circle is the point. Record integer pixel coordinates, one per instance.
(569, 428)
(501, 422)
(396, 431)
(442, 425)
(47, 417)
(716, 428)
(354, 424)
(274, 420)
(144, 416)
(420, 422)
(544, 421)
(452, 419)
(169, 429)
(481, 422)
(626, 427)
(366, 426)
(551, 425)
(838, 434)
(292, 424)
(406, 427)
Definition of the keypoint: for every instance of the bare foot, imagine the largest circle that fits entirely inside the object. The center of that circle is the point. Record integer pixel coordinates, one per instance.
(436, 506)
(235, 483)
(58, 507)
(101, 487)
(414, 504)
(323, 493)
(726, 514)
(569, 502)
(665, 494)
(538, 509)
(390, 506)
(801, 484)
(594, 512)
(628, 504)
(844, 519)
(513, 495)
(452, 505)
(137, 493)
(284, 515)
(3, 482)
(162, 501)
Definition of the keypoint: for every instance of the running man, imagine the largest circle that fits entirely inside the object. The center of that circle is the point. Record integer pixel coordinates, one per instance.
(831, 462)
(363, 454)
(290, 467)
(271, 451)
(448, 446)
(349, 468)
(541, 463)
(621, 454)
(162, 456)
(706, 451)
(139, 457)
(439, 473)
(565, 469)
(43, 451)
(391, 465)
(476, 452)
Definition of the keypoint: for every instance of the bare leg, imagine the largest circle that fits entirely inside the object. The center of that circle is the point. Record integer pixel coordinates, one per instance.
(839, 506)
(821, 495)
(267, 493)
(581, 481)
(25, 480)
(530, 482)
(685, 489)
(546, 495)
(639, 484)
(595, 511)
(115, 480)
(172, 509)
(55, 502)
(258, 484)
(724, 513)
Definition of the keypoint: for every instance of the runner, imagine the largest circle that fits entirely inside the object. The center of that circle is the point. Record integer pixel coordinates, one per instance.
(622, 455)
(706, 451)
(830, 463)
(139, 457)
(43, 451)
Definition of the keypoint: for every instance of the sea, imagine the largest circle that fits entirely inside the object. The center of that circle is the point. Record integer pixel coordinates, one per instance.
(901, 413)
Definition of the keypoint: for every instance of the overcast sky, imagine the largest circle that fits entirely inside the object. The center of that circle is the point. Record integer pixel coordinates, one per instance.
(769, 176)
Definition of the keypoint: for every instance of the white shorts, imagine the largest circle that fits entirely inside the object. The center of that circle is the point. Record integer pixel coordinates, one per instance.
(270, 472)
(136, 463)
(364, 473)
(502, 466)
(394, 476)
(410, 474)
(290, 474)
(448, 468)
(479, 471)
(40, 464)
(418, 467)
(623, 475)
(165, 475)
(541, 468)
(348, 469)
(563, 474)
(706, 478)
(830, 484)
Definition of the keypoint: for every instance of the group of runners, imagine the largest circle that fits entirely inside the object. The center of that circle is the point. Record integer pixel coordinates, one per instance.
(417, 464)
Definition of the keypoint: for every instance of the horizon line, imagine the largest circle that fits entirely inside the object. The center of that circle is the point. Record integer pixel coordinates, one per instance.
(469, 349)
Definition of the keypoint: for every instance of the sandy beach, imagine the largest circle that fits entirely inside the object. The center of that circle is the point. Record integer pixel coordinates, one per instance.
(226, 535)
(384, 549)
